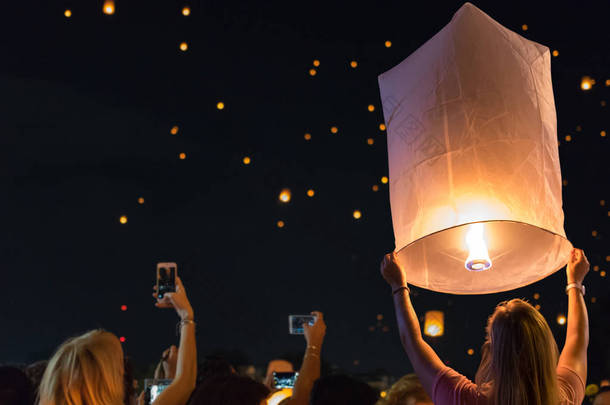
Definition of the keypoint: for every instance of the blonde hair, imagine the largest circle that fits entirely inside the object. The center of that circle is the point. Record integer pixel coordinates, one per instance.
(85, 370)
(519, 357)
(407, 387)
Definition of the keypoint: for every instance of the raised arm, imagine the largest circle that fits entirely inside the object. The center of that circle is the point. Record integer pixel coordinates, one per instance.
(574, 353)
(310, 369)
(179, 391)
(423, 358)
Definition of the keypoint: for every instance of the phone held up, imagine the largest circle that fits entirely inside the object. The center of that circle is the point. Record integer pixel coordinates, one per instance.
(296, 322)
(152, 389)
(284, 380)
(166, 278)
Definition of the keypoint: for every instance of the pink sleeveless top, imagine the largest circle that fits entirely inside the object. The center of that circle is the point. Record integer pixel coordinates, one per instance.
(452, 388)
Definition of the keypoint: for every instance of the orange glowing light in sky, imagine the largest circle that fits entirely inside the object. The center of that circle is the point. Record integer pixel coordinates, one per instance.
(184, 46)
(123, 219)
(109, 8)
(186, 11)
(285, 195)
(68, 13)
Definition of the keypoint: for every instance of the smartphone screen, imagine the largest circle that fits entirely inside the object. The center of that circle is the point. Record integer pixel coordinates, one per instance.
(166, 278)
(153, 388)
(284, 380)
(295, 323)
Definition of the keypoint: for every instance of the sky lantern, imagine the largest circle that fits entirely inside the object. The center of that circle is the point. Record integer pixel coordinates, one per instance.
(183, 46)
(586, 83)
(307, 136)
(357, 214)
(285, 195)
(246, 160)
(310, 192)
(220, 105)
(182, 156)
(109, 7)
(475, 182)
(388, 44)
(186, 11)
(140, 200)
(316, 63)
(434, 323)
(279, 396)
(334, 130)
(561, 319)
(174, 130)
(353, 64)
(312, 72)
(68, 13)
(123, 219)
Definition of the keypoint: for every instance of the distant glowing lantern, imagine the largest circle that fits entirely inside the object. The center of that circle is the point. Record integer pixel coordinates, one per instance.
(174, 130)
(470, 352)
(186, 11)
(316, 63)
(375, 187)
(122, 339)
(602, 273)
(123, 307)
(285, 195)
(357, 214)
(307, 137)
(586, 83)
(602, 202)
(280, 224)
(370, 141)
(434, 323)
(220, 105)
(536, 296)
(141, 200)
(602, 133)
(383, 394)
(524, 27)
(384, 179)
(334, 130)
(108, 7)
(595, 268)
(182, 156)
(184, 46)
(593, 300)
(371, 107)
(537, 306)
(561, 319)
(310, 193)
(555, 53)
(312, 72)
(68, 13)
(279, 396)
(388, 44)
(568, 138)
(246, 160)
(382, 127)
(607, 82)
(123, 219)
(379, 317)
(594, 233)
(472, 139)
(353, 64)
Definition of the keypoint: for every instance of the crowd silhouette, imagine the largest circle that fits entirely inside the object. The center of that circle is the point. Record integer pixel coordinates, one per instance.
(520, 365)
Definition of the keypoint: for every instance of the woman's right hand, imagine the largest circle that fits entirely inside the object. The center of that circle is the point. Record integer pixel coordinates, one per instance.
(314, 334)
(578, 266)
(177, 300)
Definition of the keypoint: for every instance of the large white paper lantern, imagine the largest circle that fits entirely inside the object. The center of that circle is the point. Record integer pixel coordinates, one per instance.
(475, 182)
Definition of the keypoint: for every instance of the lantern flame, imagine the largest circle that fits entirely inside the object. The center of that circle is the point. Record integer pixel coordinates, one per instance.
(478, 257)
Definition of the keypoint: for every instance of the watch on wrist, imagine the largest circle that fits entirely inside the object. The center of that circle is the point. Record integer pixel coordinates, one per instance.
(580, 287)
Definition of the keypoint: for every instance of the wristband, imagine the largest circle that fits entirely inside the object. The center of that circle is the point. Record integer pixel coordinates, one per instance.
(312, 354)
(402, 287)
(580, 287)
(312, 347)
(182, 323)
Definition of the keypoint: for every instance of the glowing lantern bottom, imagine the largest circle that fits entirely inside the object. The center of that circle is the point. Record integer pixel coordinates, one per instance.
(521, 254)
(279, 396)
(434, 324)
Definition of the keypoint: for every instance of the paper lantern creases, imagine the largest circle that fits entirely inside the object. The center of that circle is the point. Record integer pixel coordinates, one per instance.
(472, 139)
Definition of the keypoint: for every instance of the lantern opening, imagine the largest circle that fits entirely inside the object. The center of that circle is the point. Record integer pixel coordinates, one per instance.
(478, 256)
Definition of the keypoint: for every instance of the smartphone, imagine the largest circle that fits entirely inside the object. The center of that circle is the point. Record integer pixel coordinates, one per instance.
(296, 322)
(284, 380)
(166, 278)
(152, 389)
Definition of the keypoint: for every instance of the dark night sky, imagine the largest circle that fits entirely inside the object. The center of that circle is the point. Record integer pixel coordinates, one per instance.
(87, 104)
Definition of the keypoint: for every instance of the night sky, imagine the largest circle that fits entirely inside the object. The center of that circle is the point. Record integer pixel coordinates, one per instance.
(87, 107)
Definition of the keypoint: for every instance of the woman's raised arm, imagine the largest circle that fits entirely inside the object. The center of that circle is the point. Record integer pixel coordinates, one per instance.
(574, 353)
(424, 359)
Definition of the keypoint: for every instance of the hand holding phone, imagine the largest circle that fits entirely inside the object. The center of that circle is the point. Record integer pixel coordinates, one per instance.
(296, 322)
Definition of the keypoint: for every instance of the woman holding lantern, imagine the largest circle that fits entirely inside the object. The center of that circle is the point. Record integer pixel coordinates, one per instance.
(520, 363)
